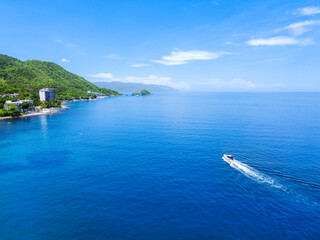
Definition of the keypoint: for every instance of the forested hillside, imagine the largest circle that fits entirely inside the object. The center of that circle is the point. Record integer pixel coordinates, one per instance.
(28, 77)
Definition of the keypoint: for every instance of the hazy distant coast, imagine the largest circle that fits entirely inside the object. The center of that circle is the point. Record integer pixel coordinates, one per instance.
(135, 87)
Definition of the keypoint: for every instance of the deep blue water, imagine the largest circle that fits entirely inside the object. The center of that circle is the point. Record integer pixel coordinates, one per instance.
(151, 168)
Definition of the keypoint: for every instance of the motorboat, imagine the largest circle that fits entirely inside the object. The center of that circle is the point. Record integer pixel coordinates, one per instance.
(228, 158)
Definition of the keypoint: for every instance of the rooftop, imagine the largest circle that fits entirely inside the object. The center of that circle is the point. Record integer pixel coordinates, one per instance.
(19, 101)
(45, 89)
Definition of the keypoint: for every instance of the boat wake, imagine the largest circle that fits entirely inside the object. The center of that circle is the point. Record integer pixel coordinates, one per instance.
(263, 178)
(255, 175)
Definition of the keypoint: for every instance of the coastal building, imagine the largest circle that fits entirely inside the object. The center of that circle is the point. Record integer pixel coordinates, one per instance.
(13, 95)
(46, 94)
(96, 94)
(18, 104)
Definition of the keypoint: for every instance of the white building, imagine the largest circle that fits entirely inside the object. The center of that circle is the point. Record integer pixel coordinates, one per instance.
(13, 95)
(96, 94)
(46, 94)
(18, 104)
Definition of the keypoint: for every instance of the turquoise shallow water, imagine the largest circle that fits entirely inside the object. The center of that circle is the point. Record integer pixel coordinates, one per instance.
(151, 168)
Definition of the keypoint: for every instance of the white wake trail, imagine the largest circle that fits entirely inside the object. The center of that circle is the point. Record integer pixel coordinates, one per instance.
(262, 178)
(255, 174)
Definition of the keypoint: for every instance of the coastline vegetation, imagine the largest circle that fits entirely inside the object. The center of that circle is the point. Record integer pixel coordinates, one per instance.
(27, 77)
(12, 111)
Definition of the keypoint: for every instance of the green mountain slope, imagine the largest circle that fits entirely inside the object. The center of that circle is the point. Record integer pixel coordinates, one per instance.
(28, 77)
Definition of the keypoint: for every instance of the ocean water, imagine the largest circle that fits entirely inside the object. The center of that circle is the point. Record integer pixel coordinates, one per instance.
(151, 168)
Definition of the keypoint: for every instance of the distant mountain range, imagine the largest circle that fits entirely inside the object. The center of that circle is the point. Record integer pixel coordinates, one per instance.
(134, 87)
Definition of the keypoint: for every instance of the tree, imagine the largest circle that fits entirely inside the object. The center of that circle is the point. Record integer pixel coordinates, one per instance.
(25, 105)
(3, 113)
(13, 110)
(28, 77)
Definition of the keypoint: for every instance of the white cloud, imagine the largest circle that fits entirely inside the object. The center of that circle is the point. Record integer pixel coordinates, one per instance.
(64, 60)
(232, 43)
(279, 41)
(307, 11)
(235, 84)
(113, 56)
(152, 79)
(75, 48)
(101, 75)
(140, 65)
(300, 27)
(216, 2)
(183, 57)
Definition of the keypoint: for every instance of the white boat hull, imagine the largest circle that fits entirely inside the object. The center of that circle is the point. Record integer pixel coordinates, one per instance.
(226, 159)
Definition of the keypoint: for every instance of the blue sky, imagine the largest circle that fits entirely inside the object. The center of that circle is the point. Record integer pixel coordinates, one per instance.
(214, 45)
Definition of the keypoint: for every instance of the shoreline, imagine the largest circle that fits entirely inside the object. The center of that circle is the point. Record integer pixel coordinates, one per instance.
(48, 111)
(45, 111)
